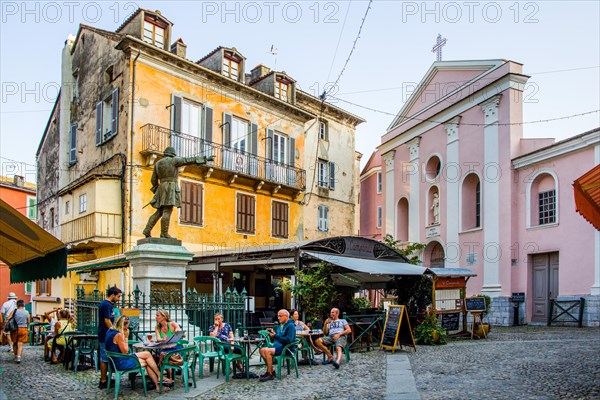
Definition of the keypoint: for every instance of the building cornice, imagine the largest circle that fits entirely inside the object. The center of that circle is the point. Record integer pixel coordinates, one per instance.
(372, 171)
(559, 149)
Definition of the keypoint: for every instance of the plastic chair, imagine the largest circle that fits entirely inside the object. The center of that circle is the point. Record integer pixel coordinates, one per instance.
(228, 354)
(189, 364)
(305, 346)
(208, 342)
(86, 348)
(346, 350)
(289, 354)
(113, 369)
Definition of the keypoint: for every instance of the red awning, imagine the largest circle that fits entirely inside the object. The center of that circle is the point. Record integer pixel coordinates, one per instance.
(587, 196)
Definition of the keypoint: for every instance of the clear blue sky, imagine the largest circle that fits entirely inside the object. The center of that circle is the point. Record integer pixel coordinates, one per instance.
(558, 43)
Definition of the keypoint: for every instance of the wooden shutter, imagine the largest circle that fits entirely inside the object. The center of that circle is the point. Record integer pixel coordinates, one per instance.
(245, 213)
(331, 175)
(208, 124)
(98, 123)
(226, 127)
(176, 103)
(73, 144)
(114, 126)
(269, 144)
(279, 219)
(191, 203)
(253, 139)
(292, 152)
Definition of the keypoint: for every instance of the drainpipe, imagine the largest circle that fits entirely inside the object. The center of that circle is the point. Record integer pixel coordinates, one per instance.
(131, 145)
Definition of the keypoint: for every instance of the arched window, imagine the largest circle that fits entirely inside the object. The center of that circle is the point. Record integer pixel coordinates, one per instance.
(402, 223)
(543, 199)
(471, 202)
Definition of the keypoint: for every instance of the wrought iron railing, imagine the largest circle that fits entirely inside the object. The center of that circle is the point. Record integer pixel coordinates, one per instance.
(194, 312)
(156, 138)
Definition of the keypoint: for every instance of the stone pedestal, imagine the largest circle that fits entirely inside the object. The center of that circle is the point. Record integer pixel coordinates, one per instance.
(158, 261)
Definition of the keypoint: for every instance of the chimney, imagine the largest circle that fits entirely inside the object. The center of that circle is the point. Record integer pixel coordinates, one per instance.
(19, 181)
(259, 71)
(179, 48)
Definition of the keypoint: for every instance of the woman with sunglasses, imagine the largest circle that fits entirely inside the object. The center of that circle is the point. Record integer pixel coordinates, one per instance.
(116, 342)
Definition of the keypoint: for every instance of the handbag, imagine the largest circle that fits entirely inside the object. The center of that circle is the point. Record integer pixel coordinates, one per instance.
(175, 359)
(11, 325)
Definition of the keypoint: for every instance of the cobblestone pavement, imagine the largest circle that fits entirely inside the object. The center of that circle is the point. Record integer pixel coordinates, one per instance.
(363, 378)
(527, 362)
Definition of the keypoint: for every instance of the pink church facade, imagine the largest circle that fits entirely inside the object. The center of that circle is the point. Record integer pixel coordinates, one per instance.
(457, 174)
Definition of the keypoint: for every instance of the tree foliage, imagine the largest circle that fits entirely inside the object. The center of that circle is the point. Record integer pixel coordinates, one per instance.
(315, 289)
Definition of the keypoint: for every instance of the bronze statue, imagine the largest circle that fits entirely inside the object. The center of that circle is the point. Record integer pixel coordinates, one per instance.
(166, 193)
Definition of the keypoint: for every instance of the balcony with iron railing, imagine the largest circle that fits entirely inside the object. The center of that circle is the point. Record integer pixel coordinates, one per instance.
(94, 227)
(232, 162)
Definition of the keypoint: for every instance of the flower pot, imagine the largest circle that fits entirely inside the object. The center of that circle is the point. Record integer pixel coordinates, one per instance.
(435, 336)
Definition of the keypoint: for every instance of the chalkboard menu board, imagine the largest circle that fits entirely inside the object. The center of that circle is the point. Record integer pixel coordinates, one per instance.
(391, 327)
(450, 321)
(397, 329)
(475, 304)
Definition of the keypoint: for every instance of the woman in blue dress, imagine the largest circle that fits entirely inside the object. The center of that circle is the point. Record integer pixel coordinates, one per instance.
(116, 342)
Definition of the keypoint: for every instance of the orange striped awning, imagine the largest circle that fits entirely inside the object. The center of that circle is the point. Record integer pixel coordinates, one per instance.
(587, 196)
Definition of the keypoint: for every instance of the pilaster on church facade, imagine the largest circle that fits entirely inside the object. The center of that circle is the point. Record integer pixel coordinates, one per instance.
(452, 194)
(414, 184)
(388, 159)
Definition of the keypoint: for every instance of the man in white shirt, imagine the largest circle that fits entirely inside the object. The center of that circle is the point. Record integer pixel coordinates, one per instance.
(5, 311)
(335, 330)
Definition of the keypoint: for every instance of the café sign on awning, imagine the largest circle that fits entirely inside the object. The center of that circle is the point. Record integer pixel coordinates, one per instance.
(30, 252)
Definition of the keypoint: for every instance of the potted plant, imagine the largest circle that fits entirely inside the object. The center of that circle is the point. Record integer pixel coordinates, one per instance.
(430, 331)
(362, 304)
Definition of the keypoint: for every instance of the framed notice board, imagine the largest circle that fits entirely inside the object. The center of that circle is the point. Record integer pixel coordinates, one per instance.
(476, 304)
(396, 329)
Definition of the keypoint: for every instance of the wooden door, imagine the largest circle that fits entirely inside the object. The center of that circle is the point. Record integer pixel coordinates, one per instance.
(544, 284)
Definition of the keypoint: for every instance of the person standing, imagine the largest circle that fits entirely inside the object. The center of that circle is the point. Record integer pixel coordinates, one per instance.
(21, 335)
(106, 318)
(7, 309)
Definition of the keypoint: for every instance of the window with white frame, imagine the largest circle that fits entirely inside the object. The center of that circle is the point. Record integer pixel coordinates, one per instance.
(281, 89)
(323, 169)
(239, 134)
(323, 132)
(379, 182)
(280, 148)
(231, 68)
(31, 208)
(107, 117)
(154, 34)
(547, 207)
(323, 218)
(379, 217)
(82, 203)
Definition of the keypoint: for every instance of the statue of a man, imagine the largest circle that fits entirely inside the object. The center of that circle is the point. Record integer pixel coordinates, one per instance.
(435, 206)
(166, 188)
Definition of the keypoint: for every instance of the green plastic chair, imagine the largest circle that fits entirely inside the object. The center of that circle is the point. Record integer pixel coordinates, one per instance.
(189, 364)
(305, 346)
(267, 343)
(113, 369)
(346, 350)
(86, 347)
(209, 343)
(289, 354)
(227, 356)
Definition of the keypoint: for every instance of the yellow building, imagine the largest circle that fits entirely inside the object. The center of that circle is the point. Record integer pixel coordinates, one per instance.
(125, 96)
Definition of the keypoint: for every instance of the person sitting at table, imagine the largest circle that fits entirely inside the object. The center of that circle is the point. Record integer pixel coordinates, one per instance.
(64, 324)
(282, 336)
(301, 326)
(223, 331)
(116, 342)
(52, 320)
(335, 330)
(165, 328)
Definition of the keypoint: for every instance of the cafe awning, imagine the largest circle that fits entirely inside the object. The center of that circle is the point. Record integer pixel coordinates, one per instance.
(587, 196)
(364, 272)
(30, 252)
